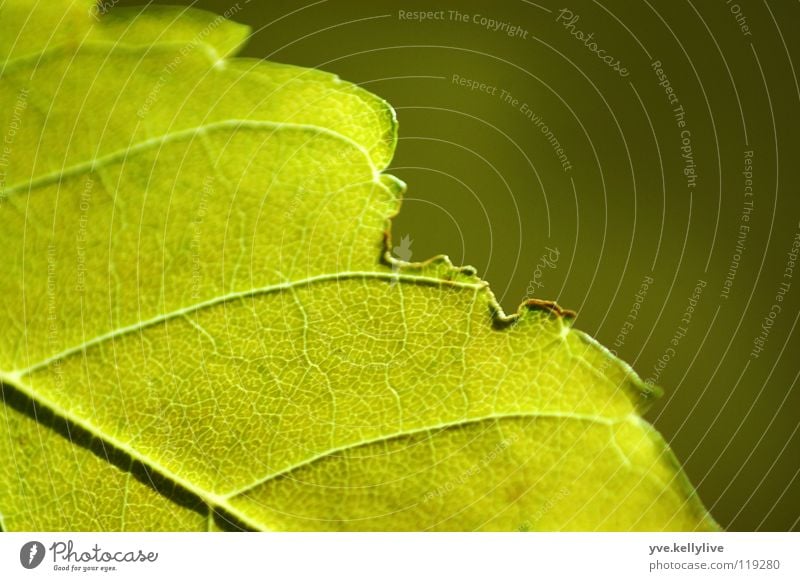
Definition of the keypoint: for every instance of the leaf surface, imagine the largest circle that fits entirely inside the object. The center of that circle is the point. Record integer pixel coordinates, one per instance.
(202, 324)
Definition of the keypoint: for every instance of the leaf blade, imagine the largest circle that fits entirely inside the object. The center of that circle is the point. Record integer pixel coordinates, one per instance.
(232, 323)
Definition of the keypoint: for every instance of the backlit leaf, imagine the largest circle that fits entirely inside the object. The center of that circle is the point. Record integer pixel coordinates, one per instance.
(202, 324)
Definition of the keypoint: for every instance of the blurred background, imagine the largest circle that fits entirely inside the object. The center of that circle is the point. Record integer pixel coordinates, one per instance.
(636, 161)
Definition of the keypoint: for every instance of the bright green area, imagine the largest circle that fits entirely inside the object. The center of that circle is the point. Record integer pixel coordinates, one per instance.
(199, 316)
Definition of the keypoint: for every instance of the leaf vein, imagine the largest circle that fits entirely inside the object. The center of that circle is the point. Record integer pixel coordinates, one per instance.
(238, 295)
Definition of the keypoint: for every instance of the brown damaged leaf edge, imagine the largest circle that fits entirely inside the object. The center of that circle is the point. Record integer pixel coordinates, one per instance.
(500, 320)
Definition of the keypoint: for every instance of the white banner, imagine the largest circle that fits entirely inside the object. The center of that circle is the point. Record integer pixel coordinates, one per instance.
(399, 556)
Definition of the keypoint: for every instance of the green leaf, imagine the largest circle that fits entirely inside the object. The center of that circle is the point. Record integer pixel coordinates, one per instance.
(202, 324)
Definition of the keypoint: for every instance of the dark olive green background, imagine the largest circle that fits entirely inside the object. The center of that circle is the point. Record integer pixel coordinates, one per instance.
(486, 188)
